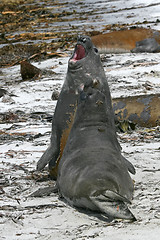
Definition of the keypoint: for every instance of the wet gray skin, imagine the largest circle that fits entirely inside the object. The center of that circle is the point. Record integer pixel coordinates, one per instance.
(92, 174)
(147, 45)
(83, 67)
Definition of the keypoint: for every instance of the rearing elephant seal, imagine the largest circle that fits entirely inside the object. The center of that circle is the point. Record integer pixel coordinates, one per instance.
(84, 66)
(92, 174)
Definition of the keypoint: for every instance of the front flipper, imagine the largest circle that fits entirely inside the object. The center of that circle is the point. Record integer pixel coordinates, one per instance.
(113, 205)
(52, 152)
(41, 192)
(129, 165)
(47, 156)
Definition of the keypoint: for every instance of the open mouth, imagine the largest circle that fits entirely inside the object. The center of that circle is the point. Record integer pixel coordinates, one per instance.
(79, 53)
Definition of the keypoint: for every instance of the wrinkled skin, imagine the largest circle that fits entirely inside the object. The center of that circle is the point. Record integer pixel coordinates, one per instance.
(92, 173)
(83, 67)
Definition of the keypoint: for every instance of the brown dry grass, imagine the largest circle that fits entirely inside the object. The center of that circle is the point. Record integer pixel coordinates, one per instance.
(12, 4)
(15, 1)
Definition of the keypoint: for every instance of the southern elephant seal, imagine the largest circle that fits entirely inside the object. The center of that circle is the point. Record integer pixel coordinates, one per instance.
(125, 40)
(92, 173)
(84, 66)
(143, 110)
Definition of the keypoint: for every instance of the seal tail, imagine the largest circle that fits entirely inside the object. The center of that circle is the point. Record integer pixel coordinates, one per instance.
(113, 205)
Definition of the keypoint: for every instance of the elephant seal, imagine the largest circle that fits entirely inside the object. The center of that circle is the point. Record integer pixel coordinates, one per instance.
(127, 39)
(142, 110)
(84, 66)
(92, 173)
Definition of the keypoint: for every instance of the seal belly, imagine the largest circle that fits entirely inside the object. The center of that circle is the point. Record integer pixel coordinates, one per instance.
(88, 174)
(97, 184)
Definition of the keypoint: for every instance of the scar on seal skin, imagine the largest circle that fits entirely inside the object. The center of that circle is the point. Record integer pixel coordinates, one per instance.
(92, 173)
(83, 67)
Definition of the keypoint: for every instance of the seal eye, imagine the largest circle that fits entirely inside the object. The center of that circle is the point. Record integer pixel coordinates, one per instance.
(96, 50)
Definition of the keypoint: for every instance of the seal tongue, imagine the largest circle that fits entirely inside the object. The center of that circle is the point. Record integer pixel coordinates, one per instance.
(79, 53)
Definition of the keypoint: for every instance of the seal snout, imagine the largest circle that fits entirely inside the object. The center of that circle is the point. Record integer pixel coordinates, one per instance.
(82, 38)
(82, 49)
